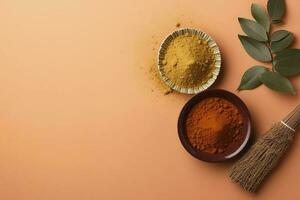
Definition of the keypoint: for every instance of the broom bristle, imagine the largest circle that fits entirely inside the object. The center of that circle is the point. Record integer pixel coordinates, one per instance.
(250, 171)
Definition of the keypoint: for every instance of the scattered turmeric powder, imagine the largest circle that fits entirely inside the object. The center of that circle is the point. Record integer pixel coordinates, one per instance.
(158, 83)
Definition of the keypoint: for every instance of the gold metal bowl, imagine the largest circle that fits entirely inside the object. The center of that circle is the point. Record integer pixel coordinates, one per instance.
(212, 44)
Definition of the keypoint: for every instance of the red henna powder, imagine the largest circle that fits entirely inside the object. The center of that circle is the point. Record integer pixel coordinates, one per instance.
(215, 126)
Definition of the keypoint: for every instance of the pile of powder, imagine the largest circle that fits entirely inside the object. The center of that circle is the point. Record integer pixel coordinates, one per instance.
(189, 61)
(215, 126)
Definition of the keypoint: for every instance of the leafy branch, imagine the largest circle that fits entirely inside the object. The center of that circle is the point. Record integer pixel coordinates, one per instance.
(269, 47)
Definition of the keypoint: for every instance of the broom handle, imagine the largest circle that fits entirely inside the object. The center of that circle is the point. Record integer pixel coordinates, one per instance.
(293, 118)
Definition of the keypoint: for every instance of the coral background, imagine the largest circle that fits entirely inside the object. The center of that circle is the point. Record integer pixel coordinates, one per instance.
(82, 119)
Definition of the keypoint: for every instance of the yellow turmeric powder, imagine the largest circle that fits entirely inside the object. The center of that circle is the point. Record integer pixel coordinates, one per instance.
(189, 61)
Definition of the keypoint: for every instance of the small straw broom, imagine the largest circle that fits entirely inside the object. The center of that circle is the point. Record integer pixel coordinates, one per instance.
(264, 155)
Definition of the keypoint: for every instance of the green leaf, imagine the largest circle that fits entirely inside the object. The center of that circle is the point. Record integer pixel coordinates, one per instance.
(261, 16)
(253, 29)
(256, 49)
(288, 67)
(276, 21)
(276, 82)
(287, 54)
(279, 35)
(276, 9)
(251, 78)
(283, 43)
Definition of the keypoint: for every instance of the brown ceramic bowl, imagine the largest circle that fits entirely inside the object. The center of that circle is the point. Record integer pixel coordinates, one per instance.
(235, 100)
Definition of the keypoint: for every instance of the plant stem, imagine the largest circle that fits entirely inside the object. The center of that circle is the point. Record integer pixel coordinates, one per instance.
(269, 47)
(273, 67)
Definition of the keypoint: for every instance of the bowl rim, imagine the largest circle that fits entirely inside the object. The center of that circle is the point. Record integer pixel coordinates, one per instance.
(211, 42)
(235, 100)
